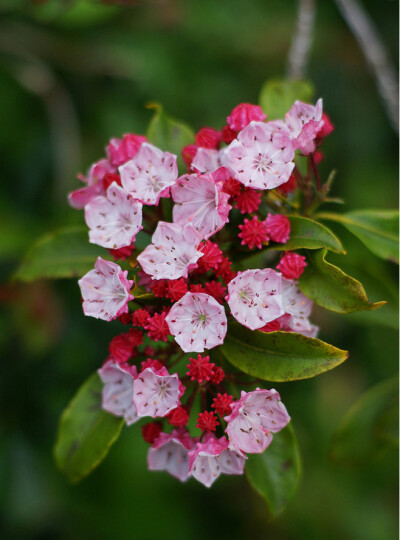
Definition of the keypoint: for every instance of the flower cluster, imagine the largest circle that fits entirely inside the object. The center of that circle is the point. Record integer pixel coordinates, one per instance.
(182, 278)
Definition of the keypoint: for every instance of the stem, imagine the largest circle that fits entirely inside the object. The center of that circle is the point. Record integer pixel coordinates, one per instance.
(315, 171)
(301, 43)
(372, 47)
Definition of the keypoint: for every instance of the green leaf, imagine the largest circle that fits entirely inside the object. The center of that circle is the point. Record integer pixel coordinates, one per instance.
(64, 253)
(169, 134)
(377, 229)
(275, 473)
(279, 356)
(277, 96)
(86, 432)
(369, 427)
(309, 234)
(329, 287)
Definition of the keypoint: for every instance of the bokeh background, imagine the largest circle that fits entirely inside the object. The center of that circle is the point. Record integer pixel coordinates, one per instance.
(72, 75)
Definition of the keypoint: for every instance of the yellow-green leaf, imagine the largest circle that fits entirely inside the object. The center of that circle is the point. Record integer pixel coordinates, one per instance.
(64, 253)
(278, 95)
(279, 356)
(169, 134)
(329, 287)
(86, 432)
(378, 230)
(275, 473)
(309, 234)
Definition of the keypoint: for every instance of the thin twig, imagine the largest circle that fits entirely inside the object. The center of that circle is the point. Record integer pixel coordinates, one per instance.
(371, 45)
(301, 43)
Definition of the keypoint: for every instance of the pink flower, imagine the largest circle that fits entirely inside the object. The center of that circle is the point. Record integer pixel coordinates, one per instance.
(188, 153)
(173, 251)
(248, 200)
(253, 418)
(156, 394)
(208, 137)
(206, 160)
(200, 368)
(120, 151)
(212, 457)
(326, 128)
(243, 114)
(255, 298)
(105, 291)
(80, 197)
(292, 265)
(114, 220)
(278, 228)
(157, 328)
(297, 306)
(261, 157)
(304, 122)
(117, 394)
(170, 453)
(149, 174)
(197, 322)
(253, 233)
(201, 202)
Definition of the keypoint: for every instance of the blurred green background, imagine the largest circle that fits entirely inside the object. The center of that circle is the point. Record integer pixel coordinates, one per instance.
(72, 75)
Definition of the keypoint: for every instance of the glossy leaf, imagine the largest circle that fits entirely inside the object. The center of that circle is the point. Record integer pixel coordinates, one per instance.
(279, 356)
(278, 95)
(65, 253)
(86, 432)
(369, 427)
(169, 134)
(377, 229)
(309, 234)
(329, 287)
(275, 473)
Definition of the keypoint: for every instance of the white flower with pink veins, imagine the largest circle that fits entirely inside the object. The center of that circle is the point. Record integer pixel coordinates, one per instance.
(262, 155)
(114, 219)
(150, 174)
(156, 393)
(169, 452)
(117, 394)
(105, 291)
(197, 322)
(304, 122)
(173, 251)
(200, 201)
(255, 297)
(212, 457)
(254, 417)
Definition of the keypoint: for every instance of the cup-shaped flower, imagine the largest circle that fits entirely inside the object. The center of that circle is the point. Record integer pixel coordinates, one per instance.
(173, 251)
(261, 157)
(198, 322)
(198, 200)
(170, 453)
(304, 122)
(156, 393)
(243, 114)
(255, 298)
(212, 457)
(117, 394)
(113, 219)
(254, 417)
(105, 291)
(149, 174)
(94, 186)
(297, 306)
(119, 151)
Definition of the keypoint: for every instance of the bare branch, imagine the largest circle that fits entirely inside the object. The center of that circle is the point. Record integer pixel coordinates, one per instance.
(301, 43)
(377, 58)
